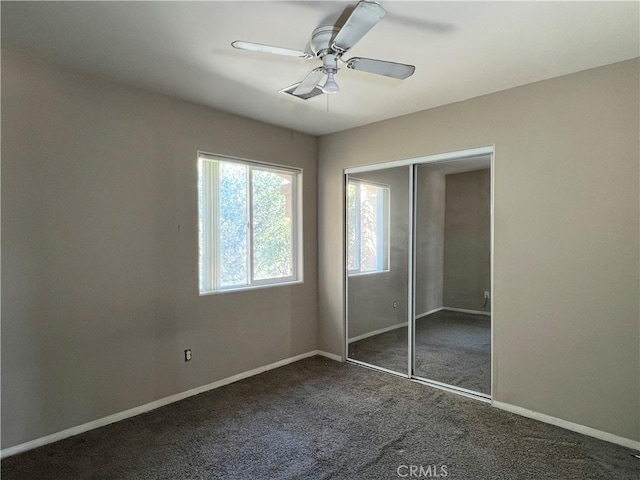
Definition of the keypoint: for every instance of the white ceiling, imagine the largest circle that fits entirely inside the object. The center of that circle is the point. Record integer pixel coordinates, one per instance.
(461, 50)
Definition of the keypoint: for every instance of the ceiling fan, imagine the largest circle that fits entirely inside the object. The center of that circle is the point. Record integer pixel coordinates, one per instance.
(329, 44)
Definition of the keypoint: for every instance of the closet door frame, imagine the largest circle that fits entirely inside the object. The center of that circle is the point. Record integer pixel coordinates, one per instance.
(413, 163)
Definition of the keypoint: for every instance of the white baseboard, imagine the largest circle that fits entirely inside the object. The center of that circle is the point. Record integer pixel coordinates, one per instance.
(430, 312)
(377, 332)
(85, 427)
(575, 427)
(331, 356)
(116, 417)
(465, 310)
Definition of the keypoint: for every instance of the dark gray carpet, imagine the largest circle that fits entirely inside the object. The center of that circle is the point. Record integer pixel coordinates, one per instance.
(451, 347)
(320, 419)
(388, 350)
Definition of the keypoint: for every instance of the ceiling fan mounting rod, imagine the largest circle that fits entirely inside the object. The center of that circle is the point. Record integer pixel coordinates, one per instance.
(330, 63)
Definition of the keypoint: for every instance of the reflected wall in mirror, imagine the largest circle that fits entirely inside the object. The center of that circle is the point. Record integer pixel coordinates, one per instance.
(452, 333)
(377, 232)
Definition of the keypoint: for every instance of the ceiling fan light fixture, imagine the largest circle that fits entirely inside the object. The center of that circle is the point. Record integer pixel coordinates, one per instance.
(330, 86)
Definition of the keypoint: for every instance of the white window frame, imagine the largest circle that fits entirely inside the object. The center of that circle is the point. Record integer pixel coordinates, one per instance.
(209, 253)
(383, 213)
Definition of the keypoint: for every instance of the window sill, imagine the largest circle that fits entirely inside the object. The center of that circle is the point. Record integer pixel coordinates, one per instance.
(251, 287)
(362, 274)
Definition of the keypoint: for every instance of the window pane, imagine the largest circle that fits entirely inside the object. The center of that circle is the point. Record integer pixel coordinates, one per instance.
(272, 224)
(370, 247)
(249, 224)
(352, 236)
(233, 224)
(367, 227)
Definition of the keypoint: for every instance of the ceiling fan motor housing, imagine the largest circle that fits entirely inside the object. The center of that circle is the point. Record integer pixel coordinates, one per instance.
(321, 41)
(322, 38)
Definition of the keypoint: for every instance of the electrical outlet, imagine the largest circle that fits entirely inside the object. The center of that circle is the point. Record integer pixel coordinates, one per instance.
(487, 295)
(395, 304)
(187, 355)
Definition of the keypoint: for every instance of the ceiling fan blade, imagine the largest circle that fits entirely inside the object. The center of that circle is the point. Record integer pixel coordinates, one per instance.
(258, 47)
(362, 19)
(310, 82)
(313, 93)
(381, 67)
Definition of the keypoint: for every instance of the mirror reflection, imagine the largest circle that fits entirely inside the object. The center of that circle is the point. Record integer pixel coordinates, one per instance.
(450, 271)
(453, 273)
(377, 263)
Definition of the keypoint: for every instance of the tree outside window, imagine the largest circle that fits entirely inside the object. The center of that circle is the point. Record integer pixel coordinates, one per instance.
(250, 217)
(367, 227)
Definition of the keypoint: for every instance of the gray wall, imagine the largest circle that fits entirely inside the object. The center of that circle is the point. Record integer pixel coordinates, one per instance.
(429, 260)
(371, 296)
(99, 256)
(100, 251)
(566, 218)
(467, 240)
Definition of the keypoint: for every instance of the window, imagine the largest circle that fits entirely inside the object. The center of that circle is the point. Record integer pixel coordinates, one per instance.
(250, 224)
(367, 227)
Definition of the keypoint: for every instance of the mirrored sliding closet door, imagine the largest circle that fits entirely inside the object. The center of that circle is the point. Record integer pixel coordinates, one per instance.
(419, 269)
(377, 243)
(452, 258)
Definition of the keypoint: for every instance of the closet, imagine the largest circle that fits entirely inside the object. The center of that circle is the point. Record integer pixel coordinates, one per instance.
(418, 269)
